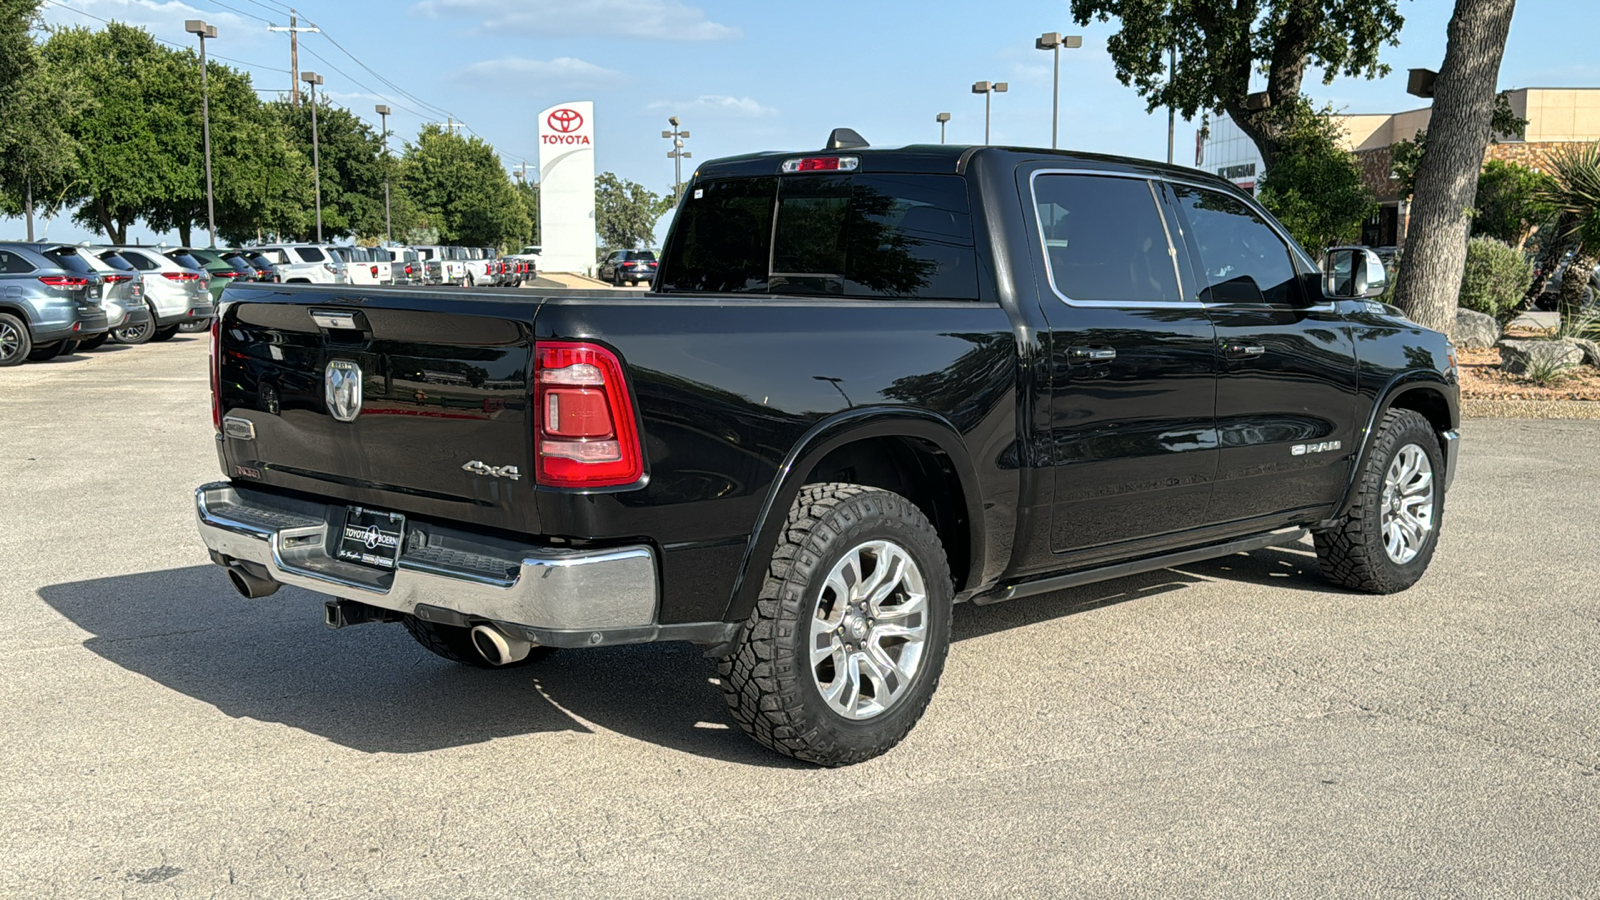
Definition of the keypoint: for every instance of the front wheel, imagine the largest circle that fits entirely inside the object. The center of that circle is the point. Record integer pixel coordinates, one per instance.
(1384, 543)
(844, 649)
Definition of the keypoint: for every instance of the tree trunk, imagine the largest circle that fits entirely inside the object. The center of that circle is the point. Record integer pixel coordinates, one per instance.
(1574, 283)
(1555, 244)
(184, 230)
(1447, 178)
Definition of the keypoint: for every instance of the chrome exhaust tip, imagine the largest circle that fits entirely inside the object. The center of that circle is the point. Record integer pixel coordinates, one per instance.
(498, 648)
(249, 585)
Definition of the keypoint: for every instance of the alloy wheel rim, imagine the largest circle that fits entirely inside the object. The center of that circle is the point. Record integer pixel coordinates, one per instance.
(10, 341)
(132, 332)
(1407, 518)
(869, 630)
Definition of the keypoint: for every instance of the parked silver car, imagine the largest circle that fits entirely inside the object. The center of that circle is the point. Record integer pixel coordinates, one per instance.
(128, 317)
(176, 292)
(49, 301)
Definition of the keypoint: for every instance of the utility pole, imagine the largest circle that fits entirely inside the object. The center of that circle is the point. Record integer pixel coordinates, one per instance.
(27, 203)
(313, 79)
(200, 29)
(294, 30)
(677, 154)
(1172, 111)
(388, 225)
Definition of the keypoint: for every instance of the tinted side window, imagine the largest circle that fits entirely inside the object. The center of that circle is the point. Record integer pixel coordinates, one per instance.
(722, 240)
(1104, 239)
(1244, 260)
(115, 261)
(140, 261)
(70, 260)
(185, 260)
(12, 264)
(309, 254)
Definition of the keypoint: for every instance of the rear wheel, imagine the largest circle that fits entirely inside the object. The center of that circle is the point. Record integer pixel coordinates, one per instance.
(164, 334)
(844, 649)
(137, 334)
(1384, 543)
(454, 642)
(15, 342)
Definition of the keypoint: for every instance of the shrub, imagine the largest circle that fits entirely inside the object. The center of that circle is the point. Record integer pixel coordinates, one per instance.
(1496, 278)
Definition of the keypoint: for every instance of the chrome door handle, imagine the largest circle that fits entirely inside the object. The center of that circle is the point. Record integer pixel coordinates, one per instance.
(1242, 351)
(1093, 354)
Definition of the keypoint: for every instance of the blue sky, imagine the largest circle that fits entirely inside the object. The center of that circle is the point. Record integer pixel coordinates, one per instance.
(747, 76)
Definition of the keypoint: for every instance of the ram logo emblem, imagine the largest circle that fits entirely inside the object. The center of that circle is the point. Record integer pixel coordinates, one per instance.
(342, 389)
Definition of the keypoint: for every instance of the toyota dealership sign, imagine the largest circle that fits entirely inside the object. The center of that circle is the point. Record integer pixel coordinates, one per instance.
(566, 188)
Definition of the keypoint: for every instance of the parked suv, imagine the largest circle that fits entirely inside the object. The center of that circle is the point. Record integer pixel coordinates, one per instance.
(122, 298)
(49, 301)
(306, 263)
(630, 266)
(176, 292)
(221, 268)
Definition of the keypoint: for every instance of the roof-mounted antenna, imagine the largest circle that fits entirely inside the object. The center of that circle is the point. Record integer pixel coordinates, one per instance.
(845, 139)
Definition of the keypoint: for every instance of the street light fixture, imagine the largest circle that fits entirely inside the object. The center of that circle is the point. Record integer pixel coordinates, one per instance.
(313, 79)
(941, 118)
(677, 154)
(388, 224)
(988, 89)
(1053, 41)
(200, 29)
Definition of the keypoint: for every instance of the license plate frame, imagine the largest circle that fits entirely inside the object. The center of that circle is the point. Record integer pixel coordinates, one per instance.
(372, 538)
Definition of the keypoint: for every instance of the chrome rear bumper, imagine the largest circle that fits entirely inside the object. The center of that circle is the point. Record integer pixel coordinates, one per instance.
(558, 597)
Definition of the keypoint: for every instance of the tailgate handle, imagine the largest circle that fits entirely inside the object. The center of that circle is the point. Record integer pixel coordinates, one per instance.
(334, 318)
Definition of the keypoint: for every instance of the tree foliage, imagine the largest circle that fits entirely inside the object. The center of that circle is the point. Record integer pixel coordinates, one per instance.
(36, 156)
(1221, 43)
(350, 169)
(1406, 154)
(461, 189)
(626, 212)
(1574, 194)
(1509, 205)
(1496, 277)
(1315, 189)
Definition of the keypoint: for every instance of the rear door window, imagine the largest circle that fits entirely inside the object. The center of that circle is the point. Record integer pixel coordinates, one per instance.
(888, 236)
(1243, 259)
(141, 262)
(1105, 240)
(310, 254)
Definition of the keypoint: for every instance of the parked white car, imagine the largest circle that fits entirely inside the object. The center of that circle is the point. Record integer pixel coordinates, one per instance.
(306, 263)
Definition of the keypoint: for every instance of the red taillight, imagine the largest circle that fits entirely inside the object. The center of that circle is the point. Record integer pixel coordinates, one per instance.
(180, 276)
(583, 423)
(374, 271)
(216, 374)
(115, 279)
(64, 281)
(408, 270)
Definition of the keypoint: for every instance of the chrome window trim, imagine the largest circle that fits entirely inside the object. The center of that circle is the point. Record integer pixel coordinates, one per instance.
(1044, 246)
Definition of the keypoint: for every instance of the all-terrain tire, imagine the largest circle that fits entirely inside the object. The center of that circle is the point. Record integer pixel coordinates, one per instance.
(454, 642)
(768, 679)
(1352, 554)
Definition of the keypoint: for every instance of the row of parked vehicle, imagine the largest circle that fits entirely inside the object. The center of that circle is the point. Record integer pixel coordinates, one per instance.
(67, 298)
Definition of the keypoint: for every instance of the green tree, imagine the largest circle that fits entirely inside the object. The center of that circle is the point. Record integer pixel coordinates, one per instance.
(1509, 207)
(1315, 190)
(1406, 154)
(625, 212)
(461, 189)
(37, 158)
(351, 167)
(1222, 43)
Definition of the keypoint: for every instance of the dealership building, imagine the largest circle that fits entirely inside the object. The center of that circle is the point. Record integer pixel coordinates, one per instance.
(1556, 117)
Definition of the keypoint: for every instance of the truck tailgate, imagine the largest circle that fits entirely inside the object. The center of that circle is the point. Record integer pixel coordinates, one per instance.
(441, 425)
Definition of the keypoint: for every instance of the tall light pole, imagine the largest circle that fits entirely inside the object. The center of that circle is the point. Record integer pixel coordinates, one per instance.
(1172, 111)
(388, 225)
(677, 154)
(941, 118)
(313, 79)
(1053, 41)
(203, 31)
(987, 89)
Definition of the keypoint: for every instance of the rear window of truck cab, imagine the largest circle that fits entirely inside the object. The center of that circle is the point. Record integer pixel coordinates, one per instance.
(857, 235)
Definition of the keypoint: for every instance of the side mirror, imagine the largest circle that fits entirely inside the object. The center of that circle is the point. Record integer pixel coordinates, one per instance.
(1354, 273)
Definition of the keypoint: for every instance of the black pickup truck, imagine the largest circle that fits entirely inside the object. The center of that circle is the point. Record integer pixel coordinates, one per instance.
(867, 384)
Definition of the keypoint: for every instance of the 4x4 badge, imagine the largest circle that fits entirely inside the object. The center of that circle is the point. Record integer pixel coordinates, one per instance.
(479, 467)
(342, 389)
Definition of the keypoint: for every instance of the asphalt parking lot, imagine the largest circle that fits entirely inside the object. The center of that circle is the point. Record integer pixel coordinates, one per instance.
(1230, 729)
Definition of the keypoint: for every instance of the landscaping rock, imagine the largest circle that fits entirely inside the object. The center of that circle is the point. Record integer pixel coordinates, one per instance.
(1475, 330)
(1518, 357)
(1591, 350)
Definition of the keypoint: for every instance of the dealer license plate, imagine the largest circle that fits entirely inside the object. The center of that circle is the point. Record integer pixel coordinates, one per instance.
(372, 538)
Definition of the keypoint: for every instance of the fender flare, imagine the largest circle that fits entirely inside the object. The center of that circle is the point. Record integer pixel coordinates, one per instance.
(1399, 385)
(820, 440)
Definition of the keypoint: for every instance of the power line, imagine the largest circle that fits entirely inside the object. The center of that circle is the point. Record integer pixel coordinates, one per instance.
(363, 86)
(242, 62)
(238, 11)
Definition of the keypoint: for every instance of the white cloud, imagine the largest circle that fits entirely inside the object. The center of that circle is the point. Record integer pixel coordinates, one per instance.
(162, 18)
(518, 74)
(715, 106)
(662, 20)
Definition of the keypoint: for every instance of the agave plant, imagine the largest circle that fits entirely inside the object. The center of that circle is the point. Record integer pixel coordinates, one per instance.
(1575, 195)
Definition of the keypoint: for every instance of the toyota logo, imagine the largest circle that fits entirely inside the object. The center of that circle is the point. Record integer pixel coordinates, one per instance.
(564, 120)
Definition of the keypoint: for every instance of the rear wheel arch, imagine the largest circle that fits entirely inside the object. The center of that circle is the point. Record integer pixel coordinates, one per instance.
(869, 447)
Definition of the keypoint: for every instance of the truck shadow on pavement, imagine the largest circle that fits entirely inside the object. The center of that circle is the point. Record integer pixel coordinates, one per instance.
(371, 688)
